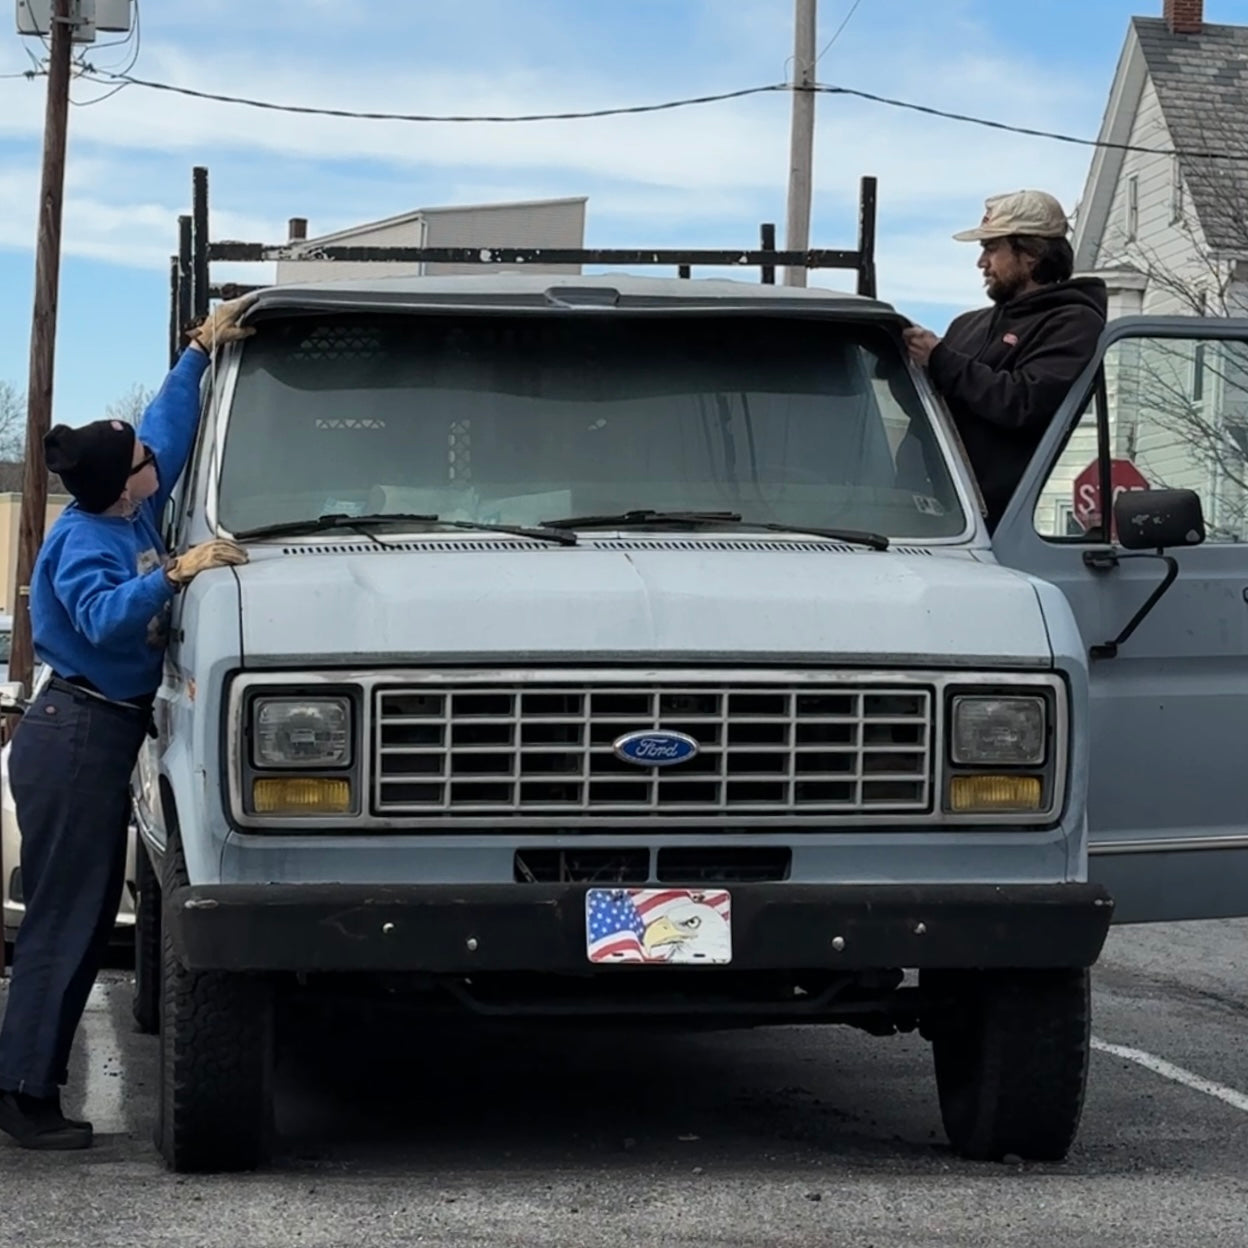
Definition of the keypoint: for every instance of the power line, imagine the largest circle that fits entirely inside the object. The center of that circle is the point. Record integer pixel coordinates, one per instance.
(99, 99)
(1038, 134)
(128, 80)
(105, 78)
(839, 30)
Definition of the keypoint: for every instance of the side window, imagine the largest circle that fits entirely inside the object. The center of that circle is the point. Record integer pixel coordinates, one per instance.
(1177, 419)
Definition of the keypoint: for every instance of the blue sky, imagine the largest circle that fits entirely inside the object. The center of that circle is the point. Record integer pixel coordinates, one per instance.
(704, 176)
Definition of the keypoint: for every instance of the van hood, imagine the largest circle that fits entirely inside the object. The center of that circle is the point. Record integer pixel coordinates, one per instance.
(500, 602)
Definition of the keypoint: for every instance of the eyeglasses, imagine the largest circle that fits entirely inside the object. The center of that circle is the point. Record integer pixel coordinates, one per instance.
(148, 458)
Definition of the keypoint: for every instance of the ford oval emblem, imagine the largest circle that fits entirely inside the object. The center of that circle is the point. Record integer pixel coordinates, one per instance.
(655, 748)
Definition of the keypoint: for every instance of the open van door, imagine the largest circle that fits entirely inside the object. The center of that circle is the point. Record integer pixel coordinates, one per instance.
(1163, 407)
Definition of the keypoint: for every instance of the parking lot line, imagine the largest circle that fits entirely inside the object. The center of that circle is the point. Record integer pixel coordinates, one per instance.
(103, 1094)
(1168, 1070)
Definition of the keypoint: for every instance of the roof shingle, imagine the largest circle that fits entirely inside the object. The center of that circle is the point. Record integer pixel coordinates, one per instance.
(1202, 85)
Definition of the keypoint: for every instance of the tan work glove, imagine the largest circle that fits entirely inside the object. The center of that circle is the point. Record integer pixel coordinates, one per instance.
(221, 324)
(218, 553)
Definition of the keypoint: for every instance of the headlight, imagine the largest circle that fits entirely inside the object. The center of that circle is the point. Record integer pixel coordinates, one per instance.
(301, 732)
(999, 732)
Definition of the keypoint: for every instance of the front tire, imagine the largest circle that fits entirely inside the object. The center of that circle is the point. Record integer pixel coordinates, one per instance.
(1011, 1051)
(147, 944)
(215, 1104)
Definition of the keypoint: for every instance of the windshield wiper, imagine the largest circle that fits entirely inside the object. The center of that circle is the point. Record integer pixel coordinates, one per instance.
(338, 520)
(629, 519)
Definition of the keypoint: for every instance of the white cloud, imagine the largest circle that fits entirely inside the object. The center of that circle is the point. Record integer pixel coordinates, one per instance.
(703, 175)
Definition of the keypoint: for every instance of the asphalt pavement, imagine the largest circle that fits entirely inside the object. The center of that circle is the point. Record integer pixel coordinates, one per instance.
(397, 1132)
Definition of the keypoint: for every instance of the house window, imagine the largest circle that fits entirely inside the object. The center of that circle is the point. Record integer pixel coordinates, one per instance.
(1176, 192)
(1132, 208)
(1198, 355)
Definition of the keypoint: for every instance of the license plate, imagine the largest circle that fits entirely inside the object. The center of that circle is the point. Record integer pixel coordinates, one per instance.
(659, 926)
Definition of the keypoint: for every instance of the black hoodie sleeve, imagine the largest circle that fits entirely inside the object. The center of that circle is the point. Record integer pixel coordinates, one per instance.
(1029, 392)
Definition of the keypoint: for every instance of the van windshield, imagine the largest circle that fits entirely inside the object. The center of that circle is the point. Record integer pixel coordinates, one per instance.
(502, 418)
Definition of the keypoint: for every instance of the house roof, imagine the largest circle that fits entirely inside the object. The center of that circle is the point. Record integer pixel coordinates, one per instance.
(1201, 82)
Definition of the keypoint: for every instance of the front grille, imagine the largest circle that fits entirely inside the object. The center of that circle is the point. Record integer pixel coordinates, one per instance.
(538, 749)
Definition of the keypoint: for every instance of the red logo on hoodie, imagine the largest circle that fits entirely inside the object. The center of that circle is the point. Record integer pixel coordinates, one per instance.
(1010, 340)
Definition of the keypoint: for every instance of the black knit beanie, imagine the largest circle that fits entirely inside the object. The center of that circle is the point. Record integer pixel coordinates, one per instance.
(94, 461)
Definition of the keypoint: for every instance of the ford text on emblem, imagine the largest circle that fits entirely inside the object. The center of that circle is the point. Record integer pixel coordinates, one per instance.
(656, 748)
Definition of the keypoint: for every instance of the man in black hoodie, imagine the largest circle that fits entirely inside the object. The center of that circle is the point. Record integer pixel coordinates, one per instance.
(1004, 370)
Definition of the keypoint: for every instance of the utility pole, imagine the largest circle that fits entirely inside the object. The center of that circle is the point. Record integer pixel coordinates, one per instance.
(802, 136)
(42, 335)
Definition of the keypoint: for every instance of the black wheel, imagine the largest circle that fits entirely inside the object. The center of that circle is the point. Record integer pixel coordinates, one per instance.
(146, 1004)
(1011, 1051)
(215, 1103)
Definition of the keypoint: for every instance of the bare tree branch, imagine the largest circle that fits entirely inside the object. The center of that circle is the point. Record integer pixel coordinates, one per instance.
(131, 405)
(12, 422)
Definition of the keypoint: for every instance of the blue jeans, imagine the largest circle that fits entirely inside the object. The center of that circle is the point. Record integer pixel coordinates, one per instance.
(69, 771)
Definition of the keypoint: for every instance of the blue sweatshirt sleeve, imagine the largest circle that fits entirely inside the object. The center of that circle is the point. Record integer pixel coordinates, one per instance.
(107, 602)
(169, 424)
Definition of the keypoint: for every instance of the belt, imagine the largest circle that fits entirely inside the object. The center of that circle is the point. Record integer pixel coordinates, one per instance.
(79, 686)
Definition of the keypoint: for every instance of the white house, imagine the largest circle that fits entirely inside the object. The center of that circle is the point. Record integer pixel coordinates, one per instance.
(533, 223)
(1164, 220)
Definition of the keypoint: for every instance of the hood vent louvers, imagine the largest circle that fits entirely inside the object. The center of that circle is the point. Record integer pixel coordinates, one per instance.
(457, 546)
(431, 545)
(770, 545)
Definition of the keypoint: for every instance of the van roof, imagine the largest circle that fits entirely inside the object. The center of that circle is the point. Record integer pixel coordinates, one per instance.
(553, 290)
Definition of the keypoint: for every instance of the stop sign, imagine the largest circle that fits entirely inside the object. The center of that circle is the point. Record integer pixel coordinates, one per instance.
(1123, 476)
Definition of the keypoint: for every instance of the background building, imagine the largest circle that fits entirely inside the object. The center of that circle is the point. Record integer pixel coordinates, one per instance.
(10, 524)
(534, 223)
(1167, 228)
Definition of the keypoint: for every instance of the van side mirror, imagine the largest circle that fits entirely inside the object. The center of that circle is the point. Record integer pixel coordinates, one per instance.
(1148, 522)
(1159, 519)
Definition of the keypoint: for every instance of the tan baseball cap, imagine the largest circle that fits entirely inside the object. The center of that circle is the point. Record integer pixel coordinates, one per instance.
(1020, 212)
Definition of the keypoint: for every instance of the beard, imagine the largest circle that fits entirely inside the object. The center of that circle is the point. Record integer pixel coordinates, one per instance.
(1003, 289)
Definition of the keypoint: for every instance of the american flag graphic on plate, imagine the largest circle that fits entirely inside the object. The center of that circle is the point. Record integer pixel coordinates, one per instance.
(670, 926)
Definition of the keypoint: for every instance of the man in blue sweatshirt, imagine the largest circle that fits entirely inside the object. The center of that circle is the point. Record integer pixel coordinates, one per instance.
(99, 601)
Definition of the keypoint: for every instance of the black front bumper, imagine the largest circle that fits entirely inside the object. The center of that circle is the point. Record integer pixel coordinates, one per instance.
(458, 930)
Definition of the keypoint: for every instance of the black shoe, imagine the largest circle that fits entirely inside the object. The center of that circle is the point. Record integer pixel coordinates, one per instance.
(73, 1122)
(37, 1122)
